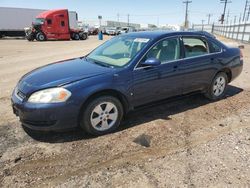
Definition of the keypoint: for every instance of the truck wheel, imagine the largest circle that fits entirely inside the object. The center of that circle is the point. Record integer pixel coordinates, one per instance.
(76, 36)
(84, 36)
(30, 37)
(102, 115)
(40, 37)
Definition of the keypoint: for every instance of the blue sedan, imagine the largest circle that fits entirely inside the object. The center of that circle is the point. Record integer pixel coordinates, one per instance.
(95, 91)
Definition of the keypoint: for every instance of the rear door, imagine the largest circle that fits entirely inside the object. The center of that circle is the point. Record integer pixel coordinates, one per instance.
(198, 65)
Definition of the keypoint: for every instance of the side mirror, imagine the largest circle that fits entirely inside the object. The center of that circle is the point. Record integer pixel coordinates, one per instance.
(151, 62)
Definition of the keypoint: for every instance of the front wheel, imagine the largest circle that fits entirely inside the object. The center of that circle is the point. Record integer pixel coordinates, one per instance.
(218, 86)
(102, 115)
(40, 37)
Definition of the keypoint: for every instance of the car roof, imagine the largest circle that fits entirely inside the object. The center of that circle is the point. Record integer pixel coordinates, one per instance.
(162, 34)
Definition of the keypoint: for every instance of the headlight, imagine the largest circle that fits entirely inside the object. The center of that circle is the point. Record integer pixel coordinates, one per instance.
(52, 95)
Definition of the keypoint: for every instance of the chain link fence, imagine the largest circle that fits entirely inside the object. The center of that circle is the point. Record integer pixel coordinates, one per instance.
(237, 31)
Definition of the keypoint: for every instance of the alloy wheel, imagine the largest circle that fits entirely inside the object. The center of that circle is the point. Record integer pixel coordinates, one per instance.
(219, 86)
(104, 116)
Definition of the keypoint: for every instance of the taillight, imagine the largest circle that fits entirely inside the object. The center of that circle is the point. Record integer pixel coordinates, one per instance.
(241, 55)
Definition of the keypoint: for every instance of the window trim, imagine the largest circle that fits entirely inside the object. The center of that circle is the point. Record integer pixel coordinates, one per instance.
(152, 46)
(182, 55)
(203, 39)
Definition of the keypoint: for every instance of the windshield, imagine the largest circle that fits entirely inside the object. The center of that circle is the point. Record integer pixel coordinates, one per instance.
(38, 21)
(118, 51)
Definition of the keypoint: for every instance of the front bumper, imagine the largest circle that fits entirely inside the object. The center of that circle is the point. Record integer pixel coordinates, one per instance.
(45, 117)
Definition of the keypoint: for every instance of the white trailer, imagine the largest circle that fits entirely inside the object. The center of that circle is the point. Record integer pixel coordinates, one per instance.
(14, 20)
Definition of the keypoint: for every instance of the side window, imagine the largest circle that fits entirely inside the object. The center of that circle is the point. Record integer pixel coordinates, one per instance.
(62, 23)
(165, 50)
(195, 47)
(49, 21)
(215, 47)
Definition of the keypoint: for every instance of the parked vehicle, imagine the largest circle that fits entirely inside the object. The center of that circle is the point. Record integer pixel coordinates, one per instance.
(56, 25)
(126, 30)
(111, 31)
(93, 30)
(14, 20)
(95, 91)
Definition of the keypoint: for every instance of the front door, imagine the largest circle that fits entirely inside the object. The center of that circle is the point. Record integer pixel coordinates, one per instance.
(158, 82)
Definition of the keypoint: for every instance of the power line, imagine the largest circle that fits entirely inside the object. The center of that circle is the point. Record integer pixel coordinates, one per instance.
(186, 14)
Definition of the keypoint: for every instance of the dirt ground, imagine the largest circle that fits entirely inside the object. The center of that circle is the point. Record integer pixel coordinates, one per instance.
(189, 142)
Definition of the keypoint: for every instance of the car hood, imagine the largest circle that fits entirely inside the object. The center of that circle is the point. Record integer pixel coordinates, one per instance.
(60, 73)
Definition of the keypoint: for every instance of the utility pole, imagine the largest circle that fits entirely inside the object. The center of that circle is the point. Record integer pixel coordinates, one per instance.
(245, 9)
(235, 17)
(202, 23)
(240, 18)
(224, 11)
(248, 12)
(186, 14)
(118, 17)
(228, 15)
(208, 20)
(128, 19)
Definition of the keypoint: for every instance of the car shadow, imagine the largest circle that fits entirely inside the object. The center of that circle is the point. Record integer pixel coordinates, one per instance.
(157, 110)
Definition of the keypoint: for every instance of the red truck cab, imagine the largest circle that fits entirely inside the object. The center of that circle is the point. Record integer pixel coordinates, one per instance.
(54, 25)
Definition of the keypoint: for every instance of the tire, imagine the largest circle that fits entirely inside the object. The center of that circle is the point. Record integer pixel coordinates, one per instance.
(76, 36)
(218, 87)
(30, 37)
(96, 118)
(84, 36)
(40, 37)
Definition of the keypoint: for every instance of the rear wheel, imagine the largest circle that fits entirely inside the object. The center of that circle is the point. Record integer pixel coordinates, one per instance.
(75, 36)
(84, 36)
(102, 115)
(40, 37)
(218, 86)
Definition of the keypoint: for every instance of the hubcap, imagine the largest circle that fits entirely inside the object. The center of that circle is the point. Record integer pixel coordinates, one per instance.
(104, 116)
(219, 86)
(41, 37)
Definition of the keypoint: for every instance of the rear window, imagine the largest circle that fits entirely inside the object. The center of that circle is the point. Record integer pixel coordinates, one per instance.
(215, 47)
(195, 47)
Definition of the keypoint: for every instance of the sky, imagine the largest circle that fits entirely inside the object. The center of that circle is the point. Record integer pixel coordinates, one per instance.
(140, 11)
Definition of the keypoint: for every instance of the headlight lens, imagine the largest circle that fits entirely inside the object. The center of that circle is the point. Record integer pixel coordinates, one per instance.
(52, 95)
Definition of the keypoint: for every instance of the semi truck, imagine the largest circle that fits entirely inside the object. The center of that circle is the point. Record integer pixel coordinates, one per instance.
(15, 22)
(55, 25)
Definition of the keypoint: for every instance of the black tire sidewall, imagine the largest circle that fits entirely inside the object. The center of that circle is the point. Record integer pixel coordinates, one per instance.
(84, 36)
(77, 36)
(210, 93)
(38, 37)
(85, 123)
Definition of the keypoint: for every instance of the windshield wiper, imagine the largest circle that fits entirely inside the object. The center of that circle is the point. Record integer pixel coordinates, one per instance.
(98, 62)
